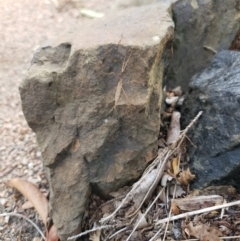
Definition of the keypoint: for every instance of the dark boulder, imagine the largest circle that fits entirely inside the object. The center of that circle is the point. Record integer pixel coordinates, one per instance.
(215, 91)
(201, 27)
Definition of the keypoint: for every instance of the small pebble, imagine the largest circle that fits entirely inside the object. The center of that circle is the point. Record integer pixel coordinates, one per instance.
(171, 100)
(30, 165)
(3, 201)
(25, 161)
(20, 166)
(30, 172)
(38, 154)
(6, 219)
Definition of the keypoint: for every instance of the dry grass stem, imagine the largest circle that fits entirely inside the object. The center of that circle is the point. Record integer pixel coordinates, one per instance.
(30, 221)
(156, 198)
(118, 232)
(228, 237)
(204, 210)
(90, 231)
(157, 233)
(154, 184)
(120, 82)
(170, 213)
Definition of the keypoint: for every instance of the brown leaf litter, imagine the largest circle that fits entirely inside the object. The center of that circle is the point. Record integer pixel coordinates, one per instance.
(143, 212)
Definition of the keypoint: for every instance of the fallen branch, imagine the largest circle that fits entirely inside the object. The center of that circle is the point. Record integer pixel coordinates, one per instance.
(204, 210)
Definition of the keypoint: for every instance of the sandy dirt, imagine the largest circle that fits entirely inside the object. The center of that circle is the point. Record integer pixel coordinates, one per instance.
(25, 25)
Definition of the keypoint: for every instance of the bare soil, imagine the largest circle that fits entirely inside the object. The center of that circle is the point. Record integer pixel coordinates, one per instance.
(25, 25)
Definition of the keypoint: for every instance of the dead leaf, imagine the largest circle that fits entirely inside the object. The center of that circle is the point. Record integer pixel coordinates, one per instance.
(196, 203)
(202, 232)
(32, 193)
(52, 234)
(212, 214)
(143, 223)
(185, 177)
(175, 166)
(174, 208)
(27, 205)
(95, 236)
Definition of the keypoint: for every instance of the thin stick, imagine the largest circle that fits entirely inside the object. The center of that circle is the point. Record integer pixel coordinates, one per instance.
(155, 182)
(223, 210)
(174, 193)
(228, 237)
(204, 210)
(170, 213)
(21, 216)
(156, 234)
(189, 126)
(119, 207)
(126, 95)
(156, 198)
(210, 48)
(120, 82)
(116, 233)
(90, 231)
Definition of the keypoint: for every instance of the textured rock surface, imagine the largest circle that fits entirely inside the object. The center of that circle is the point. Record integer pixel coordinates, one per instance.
(216, 91)
(89, 142)
(199, 24)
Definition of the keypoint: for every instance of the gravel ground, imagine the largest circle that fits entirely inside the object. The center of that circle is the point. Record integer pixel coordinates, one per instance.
(24, 26)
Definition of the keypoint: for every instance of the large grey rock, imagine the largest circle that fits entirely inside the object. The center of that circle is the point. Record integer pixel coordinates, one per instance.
(215, 91)
(89, 140)
(200, 25)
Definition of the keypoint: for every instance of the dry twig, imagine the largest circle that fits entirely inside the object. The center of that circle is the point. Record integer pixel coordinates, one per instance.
(156, 198)
(204, 210)
(120, 82)
(90, 231)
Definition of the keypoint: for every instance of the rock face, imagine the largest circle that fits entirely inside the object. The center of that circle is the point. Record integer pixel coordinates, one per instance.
(200, 27)
(93, 134)
(216, 91)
